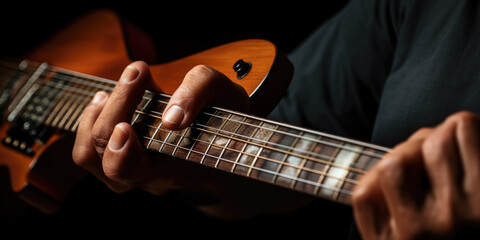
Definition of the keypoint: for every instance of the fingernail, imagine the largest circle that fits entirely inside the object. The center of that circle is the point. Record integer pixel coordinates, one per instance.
(129, 74)
(99, 96)
(174, 115)
(118, 139)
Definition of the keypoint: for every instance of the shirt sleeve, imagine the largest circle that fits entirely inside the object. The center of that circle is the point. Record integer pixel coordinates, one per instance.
(340, 70)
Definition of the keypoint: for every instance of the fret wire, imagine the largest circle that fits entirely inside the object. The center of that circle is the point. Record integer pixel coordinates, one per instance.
(64, 72)
(235, 133)
(302, 164)
(180, 141)
(343, 180)
(154, 134)
(293, 135)
(226, 144)
(354, 181)
(326, 170)
(166, 139)
(243, 123)
(358, 170)
(243, 149)
(230, 139)
(266, 170)
(271, 143)
(327, 143)
(283, 132)
(213, 139)
(328, 158)
(194, 145)
(250, 137)
(284, 160)
(279, 145)
(260, 150)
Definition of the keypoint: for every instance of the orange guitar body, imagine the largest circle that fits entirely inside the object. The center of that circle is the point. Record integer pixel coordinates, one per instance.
(101, 45)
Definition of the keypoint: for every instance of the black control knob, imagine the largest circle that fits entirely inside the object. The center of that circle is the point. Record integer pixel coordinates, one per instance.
(242, 68)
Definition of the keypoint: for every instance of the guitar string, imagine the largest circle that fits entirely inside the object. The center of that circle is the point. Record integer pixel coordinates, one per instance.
(353, 167)
(339, 190)
(91, 94)
(71, 77)
(324, 186)
(287, 164)
(359, 170)
(73, 89)
(329, 160)
(107, 88)
(343, 147)
(89, 83)
(321, 185)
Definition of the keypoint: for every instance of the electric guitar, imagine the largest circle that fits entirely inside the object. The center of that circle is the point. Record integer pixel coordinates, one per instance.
(43, 97)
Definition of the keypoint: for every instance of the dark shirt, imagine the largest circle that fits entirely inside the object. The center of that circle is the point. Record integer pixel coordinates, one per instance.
(381, 69)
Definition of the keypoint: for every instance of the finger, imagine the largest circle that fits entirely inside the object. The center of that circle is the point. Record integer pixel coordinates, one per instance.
(122, 103)
(401, 179)
(200, 86)
(370, 209)
(84, 153)
(124, 159)
(421, 134)
(468, 140)
(442, 163)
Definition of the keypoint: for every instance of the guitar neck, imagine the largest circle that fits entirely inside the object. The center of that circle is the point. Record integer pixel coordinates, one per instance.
(297, 158)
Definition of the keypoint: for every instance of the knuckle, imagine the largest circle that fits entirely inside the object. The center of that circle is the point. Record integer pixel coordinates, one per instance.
(202, 76)
(463, 116)
(202, 70)
(390, 168)
(100, 137)
(433, 147)
(422, 132)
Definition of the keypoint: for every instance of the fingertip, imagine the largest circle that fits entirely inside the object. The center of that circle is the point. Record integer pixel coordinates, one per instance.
(173, 117)
(99, 97)
(139, 65)
(119, 137)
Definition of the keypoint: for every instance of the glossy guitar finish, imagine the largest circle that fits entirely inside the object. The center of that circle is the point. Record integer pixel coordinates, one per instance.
(100, 45)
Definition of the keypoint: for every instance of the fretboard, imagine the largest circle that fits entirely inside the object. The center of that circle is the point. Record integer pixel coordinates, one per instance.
(297, 158)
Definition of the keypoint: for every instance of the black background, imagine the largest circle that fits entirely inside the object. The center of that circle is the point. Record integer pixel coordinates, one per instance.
(178, 29)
